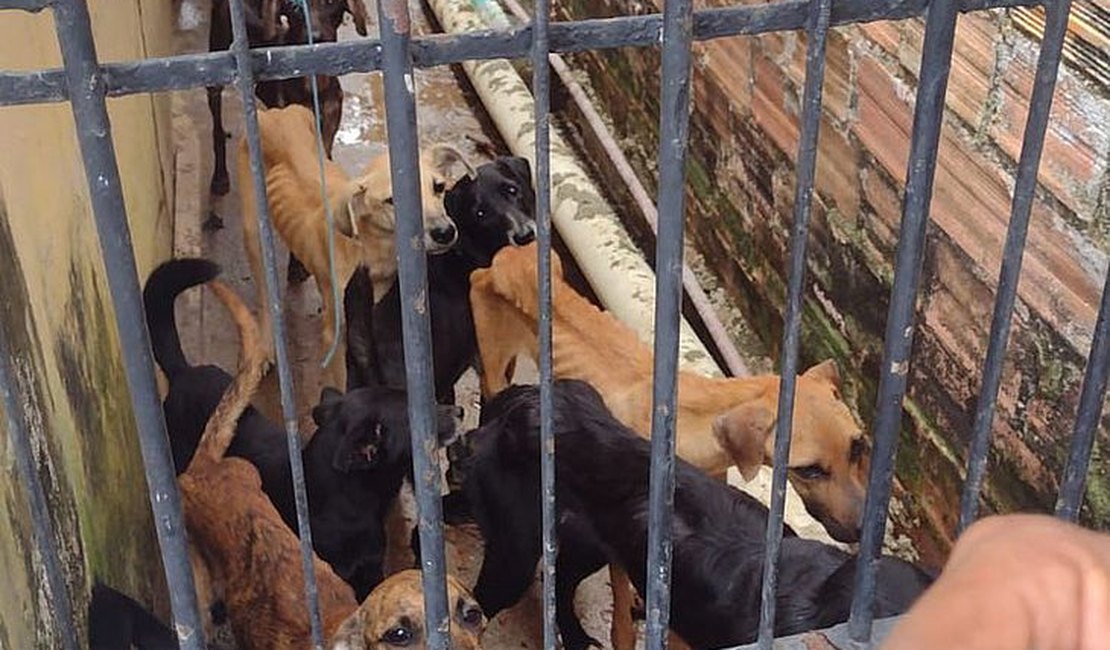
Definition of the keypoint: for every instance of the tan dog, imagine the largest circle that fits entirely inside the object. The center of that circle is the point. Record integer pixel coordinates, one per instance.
(721, 421)
(362, 209)
(393, 616)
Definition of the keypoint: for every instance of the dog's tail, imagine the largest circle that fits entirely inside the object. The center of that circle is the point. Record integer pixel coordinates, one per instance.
(162, 289)
(220, 429)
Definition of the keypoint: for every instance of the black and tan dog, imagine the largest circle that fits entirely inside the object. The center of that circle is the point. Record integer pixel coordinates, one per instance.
(354, 464)
(272, 23)
(602, 518)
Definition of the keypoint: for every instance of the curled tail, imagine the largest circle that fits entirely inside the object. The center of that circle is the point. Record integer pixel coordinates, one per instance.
(220, 430)
(162, 289)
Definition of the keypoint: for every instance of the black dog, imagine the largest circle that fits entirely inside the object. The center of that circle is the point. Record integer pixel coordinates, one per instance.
(490, 210)
(353, 465)
(117, 622)
(265, 28)
(602, 518)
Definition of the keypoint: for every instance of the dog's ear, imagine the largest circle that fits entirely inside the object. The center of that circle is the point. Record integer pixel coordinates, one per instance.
(743, 433)
(325, 410)
(351, 634)
(826, 371)
(520, 168)
(444, 156)
(456, 198)
(358, 12)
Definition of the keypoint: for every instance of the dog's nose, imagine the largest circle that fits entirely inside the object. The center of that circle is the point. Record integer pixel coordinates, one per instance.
(444, 234)
(522, 238)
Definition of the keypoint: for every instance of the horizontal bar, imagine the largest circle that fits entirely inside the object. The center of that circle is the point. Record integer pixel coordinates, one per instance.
(1074, 483)
(1040, 106)
(34, 6)
(94, 137)
(364, 55)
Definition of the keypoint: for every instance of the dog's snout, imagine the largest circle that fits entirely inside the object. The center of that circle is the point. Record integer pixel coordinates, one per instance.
(522, 238)
(444, 234)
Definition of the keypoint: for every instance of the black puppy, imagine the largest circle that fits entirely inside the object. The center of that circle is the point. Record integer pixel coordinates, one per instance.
(117, 622)
(353, 465)
(602, 518)
(490, 210)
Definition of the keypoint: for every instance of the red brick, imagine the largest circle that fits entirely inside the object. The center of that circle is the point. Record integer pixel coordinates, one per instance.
(836, 92)
(884, 201)
(728, 69)
(838, 169)
(909, 50)
(769, 107)
(885, 117)
(887, 34)
(973, 60)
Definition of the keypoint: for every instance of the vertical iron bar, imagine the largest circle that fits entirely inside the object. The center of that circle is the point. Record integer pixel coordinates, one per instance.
(1074, 482)
(936, 61)
(816, 33)
(674, 122)
(240, 46)
(94, 135)
(1040, 105)
(19, 437)
(541, 91)
(400, 106)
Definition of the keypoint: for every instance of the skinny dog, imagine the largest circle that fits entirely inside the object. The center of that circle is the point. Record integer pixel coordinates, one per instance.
(602, 517)
(362, 208)
(245, 543)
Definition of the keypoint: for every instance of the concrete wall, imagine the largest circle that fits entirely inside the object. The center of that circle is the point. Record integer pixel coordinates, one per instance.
(57, 317)
(744, 135)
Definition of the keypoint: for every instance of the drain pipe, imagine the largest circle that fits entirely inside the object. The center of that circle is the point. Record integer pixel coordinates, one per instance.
(601, 246)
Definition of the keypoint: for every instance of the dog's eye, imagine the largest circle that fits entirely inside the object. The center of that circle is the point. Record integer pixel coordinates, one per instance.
(511, 190)
(472, 616)
(398, 636)
(480, 213)
(438, 187)
(810, 472)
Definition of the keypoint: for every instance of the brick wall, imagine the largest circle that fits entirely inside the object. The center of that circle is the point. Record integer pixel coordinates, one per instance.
(744, 134)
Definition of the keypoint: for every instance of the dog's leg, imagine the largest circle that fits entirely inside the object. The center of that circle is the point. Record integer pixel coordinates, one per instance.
(335, 373)
(576, 563)
(623, 631)
(254, 252)
(497, 327)
(220, 182)
(332, 108)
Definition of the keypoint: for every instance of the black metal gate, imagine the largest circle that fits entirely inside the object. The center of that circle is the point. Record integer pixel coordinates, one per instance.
(86, 84)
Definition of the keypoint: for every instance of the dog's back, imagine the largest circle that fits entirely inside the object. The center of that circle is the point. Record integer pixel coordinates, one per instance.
(240, 533)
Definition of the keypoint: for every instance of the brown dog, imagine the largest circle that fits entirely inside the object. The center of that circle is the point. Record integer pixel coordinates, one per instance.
(393, 616)
(246, 545)
(721, 421)
(362, 209)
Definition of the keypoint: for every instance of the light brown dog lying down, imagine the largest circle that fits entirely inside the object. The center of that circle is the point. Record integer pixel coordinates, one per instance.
(721, 421)
(361, 207)
(248, 549)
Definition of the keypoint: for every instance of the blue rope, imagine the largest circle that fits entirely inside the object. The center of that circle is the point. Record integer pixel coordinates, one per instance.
(330, 354)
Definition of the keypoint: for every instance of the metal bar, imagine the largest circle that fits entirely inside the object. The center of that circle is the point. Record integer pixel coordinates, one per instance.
(245, 82)
(541, 91)
(1040, 105)
(94, 136)
(674, 123)
(400, 107)
(936, 60)
(816, 33)
(33, 6)
(19, 438)
(364, 55)
(1074, 482)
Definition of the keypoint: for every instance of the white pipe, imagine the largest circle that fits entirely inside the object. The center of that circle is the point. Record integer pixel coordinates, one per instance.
(601, 246)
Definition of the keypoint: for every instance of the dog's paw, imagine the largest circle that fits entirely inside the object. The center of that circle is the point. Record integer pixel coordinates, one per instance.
(220, 184)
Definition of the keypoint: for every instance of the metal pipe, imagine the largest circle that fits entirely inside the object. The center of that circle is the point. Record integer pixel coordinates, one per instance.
(94, 135)
(364, 55)
(1040, 106)
(400, 105)
(674, 122)
(816, 33)
(245, 81)
(19, 438)
(34, 6)
(541, 91)
(1074, 482)
(936, 60)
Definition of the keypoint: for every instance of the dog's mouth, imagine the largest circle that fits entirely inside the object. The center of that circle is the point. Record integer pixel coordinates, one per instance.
(367, 452)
